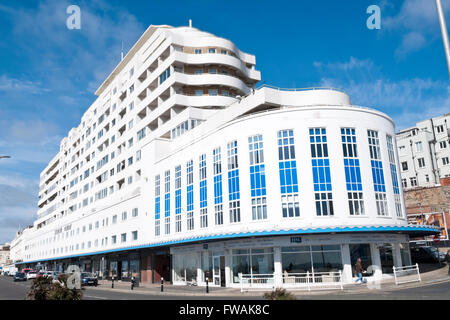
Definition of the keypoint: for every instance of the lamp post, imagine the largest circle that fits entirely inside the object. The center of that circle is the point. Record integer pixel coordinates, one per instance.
(444, 33)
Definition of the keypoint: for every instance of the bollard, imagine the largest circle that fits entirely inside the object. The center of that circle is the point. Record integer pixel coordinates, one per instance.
(162, 284)
(207, 287)
(112, 283)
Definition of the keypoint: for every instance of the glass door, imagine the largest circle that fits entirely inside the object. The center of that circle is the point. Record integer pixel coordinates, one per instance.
(216, 270)
(387, 258)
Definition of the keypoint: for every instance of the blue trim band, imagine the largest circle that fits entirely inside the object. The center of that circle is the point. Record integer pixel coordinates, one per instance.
(423, 230)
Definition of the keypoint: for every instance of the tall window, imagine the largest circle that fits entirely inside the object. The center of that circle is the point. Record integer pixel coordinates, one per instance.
(178, 199)
(394, 176)
(218, 200)
(321, 172)
(203, 192)
(257, 177)
(233, 182)
(167, 201)
(157, 205)
(288, 174)
(352, 172)
(377, 173)
(190, 194)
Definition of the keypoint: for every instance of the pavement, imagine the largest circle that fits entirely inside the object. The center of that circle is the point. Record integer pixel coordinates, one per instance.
(434, 277)
(435, 285)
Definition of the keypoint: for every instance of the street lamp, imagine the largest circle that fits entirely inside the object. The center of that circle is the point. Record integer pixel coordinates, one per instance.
(444, 32)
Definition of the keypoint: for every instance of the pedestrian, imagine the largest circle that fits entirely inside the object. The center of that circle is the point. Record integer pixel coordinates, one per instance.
(447, 258)
(359, 271)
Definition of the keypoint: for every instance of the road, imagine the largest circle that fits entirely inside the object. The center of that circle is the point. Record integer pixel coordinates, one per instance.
(10, 290)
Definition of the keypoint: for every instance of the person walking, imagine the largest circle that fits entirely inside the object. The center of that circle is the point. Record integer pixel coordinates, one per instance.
(447, 258)
(359, 271)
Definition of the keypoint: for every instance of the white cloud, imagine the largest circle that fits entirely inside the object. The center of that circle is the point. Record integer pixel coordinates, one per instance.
(411, 42)
(417, 20)
(406, 101)
(8, 84)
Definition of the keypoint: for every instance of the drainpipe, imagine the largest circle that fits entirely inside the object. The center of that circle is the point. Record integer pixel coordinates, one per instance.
(433, 155)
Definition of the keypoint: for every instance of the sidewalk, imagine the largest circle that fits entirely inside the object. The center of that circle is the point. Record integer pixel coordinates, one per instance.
(428, 278)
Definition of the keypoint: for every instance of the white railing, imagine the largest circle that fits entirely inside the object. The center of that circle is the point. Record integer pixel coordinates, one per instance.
(292, 281)
(257, 282)
(314, 281)
(408, 273)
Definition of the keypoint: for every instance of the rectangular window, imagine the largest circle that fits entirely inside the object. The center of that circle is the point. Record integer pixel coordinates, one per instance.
(233, 182)
(377, 173)
(178, 199)
(257, 178)
(288, 174)
(134, 212)
(203, 192)
(141, 134)
(123, 237)
(405, 166)
(321, 172)
(352, 172)
(198, 92)
(212, 92)
(419, 147)
(190, 194)
(217, 166)
(167, 201)
(445, 161)
(157, 204)
(134, 235)
(164, 76)
(198, 51)
(421, 162)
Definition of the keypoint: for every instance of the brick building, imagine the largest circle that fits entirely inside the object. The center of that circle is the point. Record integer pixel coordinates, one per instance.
(428, 200)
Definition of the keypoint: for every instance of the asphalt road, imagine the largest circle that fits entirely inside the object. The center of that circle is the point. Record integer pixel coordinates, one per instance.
(10, 290)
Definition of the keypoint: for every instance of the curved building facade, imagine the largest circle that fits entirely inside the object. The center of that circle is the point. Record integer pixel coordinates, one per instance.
(182, 169)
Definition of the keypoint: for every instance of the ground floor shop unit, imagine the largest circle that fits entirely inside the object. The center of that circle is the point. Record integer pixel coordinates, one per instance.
(225, 263)
(280, 257)
(145, 265)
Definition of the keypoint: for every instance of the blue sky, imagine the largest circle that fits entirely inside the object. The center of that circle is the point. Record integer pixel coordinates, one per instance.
(48, 74)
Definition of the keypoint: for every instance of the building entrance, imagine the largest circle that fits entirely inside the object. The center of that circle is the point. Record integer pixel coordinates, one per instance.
(218, 270)
(387, 258)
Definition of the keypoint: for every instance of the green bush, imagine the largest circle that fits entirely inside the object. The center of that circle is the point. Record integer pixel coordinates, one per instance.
(279, 294)
(44, 288)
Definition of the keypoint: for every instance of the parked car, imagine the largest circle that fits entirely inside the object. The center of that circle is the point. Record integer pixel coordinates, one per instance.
(88, 278)
(20, 276)
(426, 254)
(31, 275)
(52, 274)
(26, 270)
(41, 274)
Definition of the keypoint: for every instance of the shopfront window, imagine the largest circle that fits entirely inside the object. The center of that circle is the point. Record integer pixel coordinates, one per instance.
(185, 267)
(326, 258)
(254, 261)
(362, 251)
(405, 253)
(113, 269)
(124, 269)
(134, 268)
(207, 265)
(302, 259)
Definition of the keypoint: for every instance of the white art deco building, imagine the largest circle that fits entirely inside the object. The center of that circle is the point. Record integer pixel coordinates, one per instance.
(182, 169)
